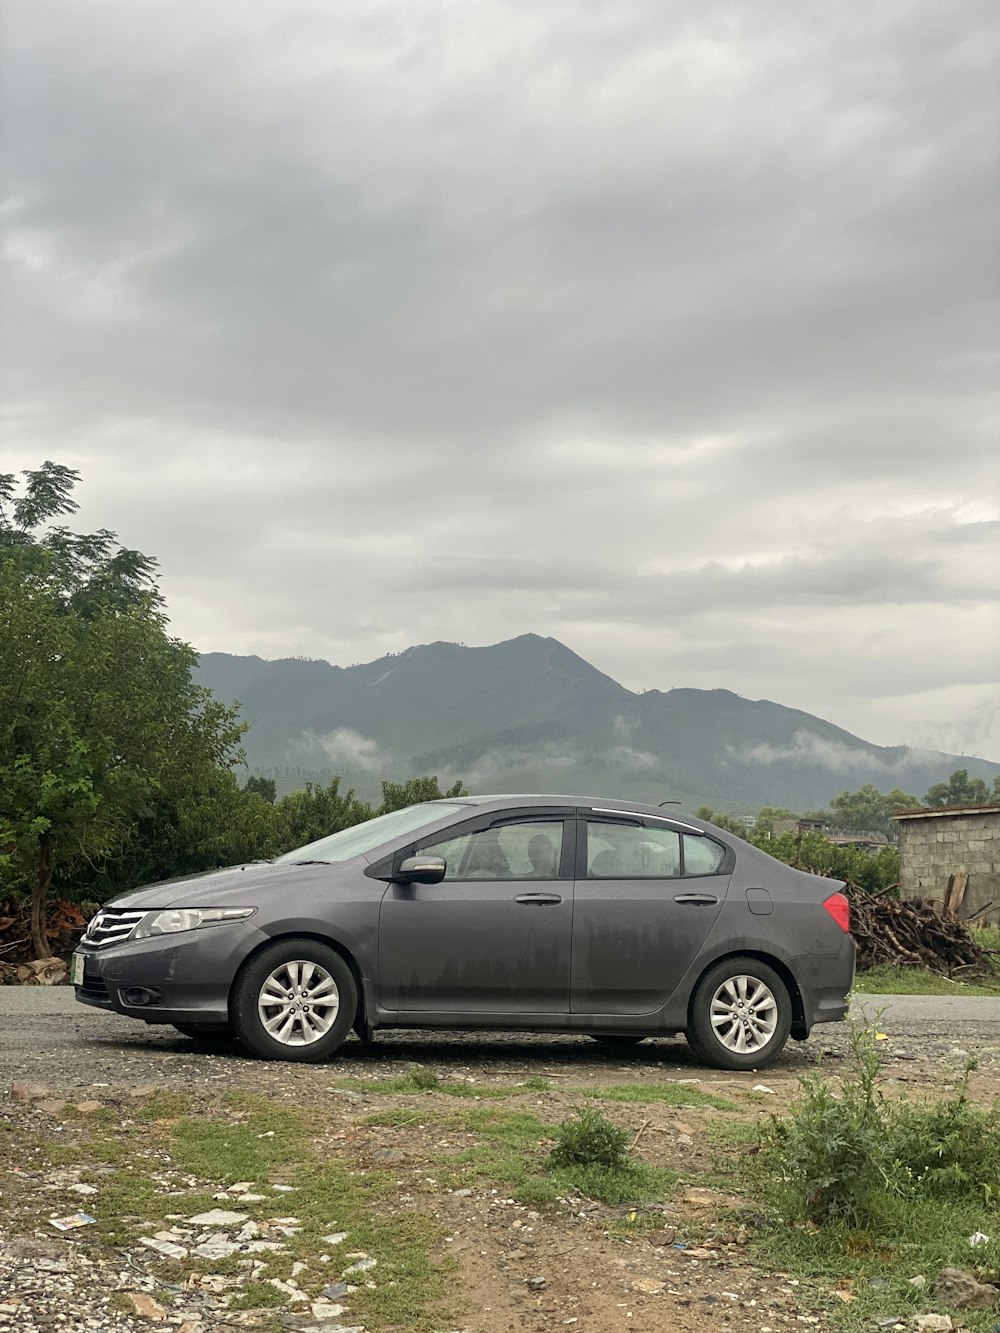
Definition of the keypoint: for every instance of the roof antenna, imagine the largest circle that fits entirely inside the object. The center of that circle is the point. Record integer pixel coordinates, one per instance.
(663, 803)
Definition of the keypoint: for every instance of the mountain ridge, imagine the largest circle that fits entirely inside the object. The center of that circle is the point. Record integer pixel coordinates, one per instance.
(529, 713)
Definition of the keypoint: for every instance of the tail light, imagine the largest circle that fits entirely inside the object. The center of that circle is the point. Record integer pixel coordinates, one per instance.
(840, 909)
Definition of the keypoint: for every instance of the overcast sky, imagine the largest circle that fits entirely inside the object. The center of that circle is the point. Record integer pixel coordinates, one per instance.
(670, 330)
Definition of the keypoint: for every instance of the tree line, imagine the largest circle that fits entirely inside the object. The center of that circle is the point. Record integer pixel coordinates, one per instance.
(116, 769)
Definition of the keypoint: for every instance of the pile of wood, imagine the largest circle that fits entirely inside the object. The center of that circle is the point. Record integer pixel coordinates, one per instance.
(64, 924)
(898, 932)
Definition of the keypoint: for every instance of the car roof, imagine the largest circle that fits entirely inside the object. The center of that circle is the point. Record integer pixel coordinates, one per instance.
(603, 804)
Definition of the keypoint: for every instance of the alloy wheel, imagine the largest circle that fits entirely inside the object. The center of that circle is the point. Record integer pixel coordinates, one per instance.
(744, 1014)
(298, 1003)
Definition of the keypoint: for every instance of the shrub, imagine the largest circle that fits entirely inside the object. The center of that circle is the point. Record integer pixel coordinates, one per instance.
(588, 1139)
(839, 1156)
(422, 1079)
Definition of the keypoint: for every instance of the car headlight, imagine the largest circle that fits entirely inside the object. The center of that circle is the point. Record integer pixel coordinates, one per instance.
(176, 919)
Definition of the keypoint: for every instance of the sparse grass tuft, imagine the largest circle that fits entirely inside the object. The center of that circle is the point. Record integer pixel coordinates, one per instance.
(666, 1094)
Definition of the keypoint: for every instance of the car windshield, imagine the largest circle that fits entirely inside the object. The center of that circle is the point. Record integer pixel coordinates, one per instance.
(372, 833)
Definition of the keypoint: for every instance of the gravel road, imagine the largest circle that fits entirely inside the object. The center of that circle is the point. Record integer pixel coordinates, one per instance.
(48, 1038)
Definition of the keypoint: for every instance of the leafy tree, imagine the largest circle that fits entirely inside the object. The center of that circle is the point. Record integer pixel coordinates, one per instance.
(725, 822)
(869, 810)
(398, 795)
(264, 787)
(316, 811)
(99, 717)
(960, 789)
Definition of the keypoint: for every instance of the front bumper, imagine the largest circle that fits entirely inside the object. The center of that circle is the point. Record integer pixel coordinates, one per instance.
(182, 978)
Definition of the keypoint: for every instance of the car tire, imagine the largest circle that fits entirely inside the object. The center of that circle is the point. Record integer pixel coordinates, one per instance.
(205, 1031)
(740, 1015)
(616, 1039)
(297, 1000)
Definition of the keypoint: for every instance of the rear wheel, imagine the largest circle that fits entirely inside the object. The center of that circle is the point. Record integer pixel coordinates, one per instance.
(740, 1015)
(295, 1001)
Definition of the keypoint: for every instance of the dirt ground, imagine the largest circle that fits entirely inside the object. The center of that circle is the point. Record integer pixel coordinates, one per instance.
(684, 1264)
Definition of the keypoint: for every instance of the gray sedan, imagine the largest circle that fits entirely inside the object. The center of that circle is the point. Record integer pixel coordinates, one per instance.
(541, 913)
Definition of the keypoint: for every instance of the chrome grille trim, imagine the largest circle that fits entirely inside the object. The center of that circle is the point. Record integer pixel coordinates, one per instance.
(111, 926)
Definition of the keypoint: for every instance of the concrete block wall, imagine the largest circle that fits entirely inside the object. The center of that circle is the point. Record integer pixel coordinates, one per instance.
(934, 847)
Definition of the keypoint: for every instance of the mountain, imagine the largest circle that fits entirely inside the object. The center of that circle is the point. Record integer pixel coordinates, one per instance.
(530, 715)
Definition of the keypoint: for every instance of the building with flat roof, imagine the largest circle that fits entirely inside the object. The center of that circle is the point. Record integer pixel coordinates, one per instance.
(947, 840)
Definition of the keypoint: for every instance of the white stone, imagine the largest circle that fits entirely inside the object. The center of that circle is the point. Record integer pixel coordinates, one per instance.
(216, 1247)
(165, 1247)
(218, 1217)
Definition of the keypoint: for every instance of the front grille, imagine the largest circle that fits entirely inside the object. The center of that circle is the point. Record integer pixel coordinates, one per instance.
(111, 926)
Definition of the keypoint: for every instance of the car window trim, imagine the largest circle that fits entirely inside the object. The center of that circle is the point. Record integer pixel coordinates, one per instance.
(644, 816)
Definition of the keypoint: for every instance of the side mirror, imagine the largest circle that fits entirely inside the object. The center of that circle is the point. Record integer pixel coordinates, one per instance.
(421, 869)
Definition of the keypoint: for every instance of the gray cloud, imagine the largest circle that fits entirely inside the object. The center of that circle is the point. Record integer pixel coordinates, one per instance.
(668, 331)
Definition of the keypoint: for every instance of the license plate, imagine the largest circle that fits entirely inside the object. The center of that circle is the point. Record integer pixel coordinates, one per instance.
(76, 969)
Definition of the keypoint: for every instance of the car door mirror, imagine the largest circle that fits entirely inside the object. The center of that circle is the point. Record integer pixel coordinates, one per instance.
(421, 869)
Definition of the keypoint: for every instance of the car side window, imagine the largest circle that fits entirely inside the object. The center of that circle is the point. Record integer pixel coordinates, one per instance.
(528, 850)
(629, 851)
(702, 856)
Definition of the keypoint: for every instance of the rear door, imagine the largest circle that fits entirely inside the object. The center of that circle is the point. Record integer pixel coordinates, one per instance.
(647, 894)
(494, 936)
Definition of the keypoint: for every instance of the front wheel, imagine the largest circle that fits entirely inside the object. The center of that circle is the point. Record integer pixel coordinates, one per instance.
(740, 1015)
(295, 1001)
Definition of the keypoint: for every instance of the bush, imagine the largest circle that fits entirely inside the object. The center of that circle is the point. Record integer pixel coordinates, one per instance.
(588, 1139)
(838, 1157)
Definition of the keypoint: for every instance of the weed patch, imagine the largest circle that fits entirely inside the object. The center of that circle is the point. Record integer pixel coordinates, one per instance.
(873, 1193)
(664, 1094)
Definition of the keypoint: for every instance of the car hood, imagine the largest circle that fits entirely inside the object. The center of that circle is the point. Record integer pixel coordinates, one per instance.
(241, 886)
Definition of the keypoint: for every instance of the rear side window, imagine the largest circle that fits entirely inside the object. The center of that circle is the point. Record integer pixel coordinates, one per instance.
(702, 856)
(627, 851)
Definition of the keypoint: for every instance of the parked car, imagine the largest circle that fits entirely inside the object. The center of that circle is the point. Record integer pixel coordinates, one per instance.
(540, 913)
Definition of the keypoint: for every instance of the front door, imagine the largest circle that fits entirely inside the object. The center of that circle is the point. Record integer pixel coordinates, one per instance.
(645, 899)
(494, 936)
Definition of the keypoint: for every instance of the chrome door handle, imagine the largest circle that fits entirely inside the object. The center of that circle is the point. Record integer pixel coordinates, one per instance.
(696, 899)
(538, 899)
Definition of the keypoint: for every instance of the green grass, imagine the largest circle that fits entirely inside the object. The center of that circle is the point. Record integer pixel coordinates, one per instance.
(421, 1080)
(919, 981)
(664, 1094)
(514, 1152)
(987, 937)
(257, 1296)
(912, 1240)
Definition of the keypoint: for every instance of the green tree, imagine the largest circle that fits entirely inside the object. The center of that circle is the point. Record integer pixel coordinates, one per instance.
(316, 811)
(725, 822)
(264, 787)
(398, 795)
(99, 716)
(960, 789)
(869, 810)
